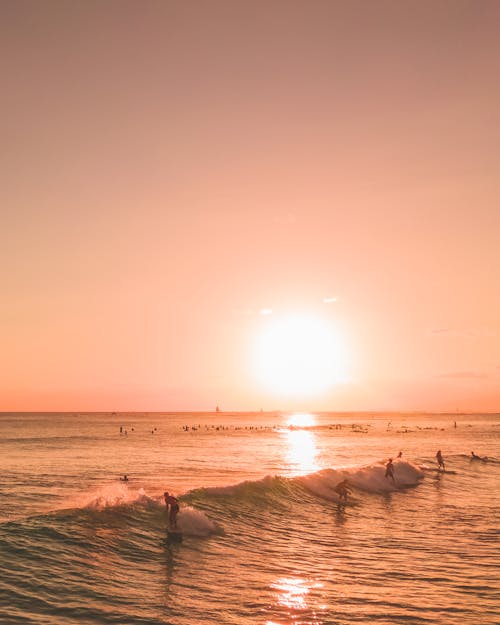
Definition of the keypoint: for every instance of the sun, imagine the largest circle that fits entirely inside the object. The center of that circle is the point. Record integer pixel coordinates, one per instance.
(299, 355)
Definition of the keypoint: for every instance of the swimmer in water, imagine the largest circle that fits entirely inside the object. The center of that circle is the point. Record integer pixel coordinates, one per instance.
(171, 501)
(342, 489)
(474, 456)
(124, 478)
(389, 471)
(440, 460)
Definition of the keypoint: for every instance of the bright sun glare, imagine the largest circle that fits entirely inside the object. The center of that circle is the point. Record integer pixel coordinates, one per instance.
(299, 355)
(302, 419)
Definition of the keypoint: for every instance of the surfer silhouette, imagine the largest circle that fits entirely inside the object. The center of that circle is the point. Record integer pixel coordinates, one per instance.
(474, 456)
(440, 460)
(389, 470)
(173, 509)
(342, 490)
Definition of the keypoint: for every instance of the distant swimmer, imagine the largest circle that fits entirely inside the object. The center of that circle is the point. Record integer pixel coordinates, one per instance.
(440, 460)
(171, 501)
(400, 455)
(389, 470)
(124, 478)
(474, 456)
(342, 489)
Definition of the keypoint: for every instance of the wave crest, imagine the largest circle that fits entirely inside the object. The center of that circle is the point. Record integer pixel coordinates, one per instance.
(369, 478)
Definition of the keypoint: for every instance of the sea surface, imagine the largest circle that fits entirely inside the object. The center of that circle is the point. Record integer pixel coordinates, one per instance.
(265, 540)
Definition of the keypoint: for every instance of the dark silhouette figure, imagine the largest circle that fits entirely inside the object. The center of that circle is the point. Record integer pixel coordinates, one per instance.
(172, 503)
(440, 460)
(389, 471)
(474, 456)
(342, 489)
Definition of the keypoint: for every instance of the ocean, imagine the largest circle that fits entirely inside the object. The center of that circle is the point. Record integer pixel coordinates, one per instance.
(265, 539)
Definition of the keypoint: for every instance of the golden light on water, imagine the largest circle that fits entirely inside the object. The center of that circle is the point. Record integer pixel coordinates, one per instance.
(301, 444)
(292, 593)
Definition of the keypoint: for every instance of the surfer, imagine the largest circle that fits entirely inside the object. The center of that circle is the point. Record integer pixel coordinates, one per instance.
(124, 478)
(440, 460)
(400, 455)
(171, 501)
(342, 489)
(474, 456)
(389, 470)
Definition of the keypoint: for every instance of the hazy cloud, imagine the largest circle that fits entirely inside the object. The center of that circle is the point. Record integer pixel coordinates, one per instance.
(465, 334)
(463, 374)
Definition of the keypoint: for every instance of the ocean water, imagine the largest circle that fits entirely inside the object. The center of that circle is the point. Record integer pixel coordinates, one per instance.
(265, 540)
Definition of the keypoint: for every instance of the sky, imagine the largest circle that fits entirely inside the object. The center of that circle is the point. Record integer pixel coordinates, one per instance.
(178, 175)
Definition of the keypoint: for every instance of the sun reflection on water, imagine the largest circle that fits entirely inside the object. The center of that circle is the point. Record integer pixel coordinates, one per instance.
(293, 595)
(301, 444)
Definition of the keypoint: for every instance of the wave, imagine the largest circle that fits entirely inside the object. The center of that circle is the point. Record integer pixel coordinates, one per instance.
(367, 478)
(271, 486)
(47, 440)
(122, 500)
(121, 504)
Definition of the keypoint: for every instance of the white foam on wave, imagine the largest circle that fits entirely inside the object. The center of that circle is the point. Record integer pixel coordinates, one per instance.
(109, 496)
(193, 522)
(370, 478)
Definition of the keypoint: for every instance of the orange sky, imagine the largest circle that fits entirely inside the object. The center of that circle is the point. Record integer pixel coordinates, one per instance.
(171, 168)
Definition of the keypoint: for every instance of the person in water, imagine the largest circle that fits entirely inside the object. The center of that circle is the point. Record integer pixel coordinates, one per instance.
(124, 478)
(389, 470)
(474, 456)
(342, 489)
(173, 503)
(440, 460)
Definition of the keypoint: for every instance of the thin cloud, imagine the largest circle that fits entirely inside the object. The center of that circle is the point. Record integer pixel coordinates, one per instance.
(266, 311)
(330, 300)
(464, 375)
(469, 333)
(452, 334)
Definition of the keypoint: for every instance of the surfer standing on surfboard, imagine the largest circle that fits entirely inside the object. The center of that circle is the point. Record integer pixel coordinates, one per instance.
(171, 501)
(342, 491)
(440, 461)
(389, 470)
